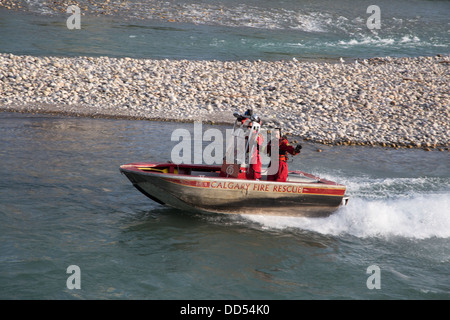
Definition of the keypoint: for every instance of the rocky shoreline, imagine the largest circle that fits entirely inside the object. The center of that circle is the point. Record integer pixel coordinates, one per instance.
(393, 102)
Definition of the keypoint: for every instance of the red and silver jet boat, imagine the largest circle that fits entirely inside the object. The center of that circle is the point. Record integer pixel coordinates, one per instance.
(225, 189)
(204, 188)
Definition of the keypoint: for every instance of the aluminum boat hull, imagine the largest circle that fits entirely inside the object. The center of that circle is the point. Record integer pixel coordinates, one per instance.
(202, 189)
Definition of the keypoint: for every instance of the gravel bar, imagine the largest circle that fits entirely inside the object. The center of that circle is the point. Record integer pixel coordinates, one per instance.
(393, 102)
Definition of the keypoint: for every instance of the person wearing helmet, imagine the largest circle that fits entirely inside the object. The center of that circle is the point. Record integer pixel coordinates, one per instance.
(245, 119)
(284, 148)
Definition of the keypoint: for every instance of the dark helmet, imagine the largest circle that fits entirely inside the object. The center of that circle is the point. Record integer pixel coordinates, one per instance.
(248, 113)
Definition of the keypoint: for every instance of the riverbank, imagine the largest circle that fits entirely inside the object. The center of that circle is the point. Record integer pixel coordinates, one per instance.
(395, 102)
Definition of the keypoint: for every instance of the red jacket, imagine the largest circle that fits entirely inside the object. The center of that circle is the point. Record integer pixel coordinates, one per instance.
(284, 148)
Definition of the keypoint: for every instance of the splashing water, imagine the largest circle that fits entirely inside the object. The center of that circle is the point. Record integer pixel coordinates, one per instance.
(381, 208)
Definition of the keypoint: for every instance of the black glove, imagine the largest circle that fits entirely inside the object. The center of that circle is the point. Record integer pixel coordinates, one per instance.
(298, 148)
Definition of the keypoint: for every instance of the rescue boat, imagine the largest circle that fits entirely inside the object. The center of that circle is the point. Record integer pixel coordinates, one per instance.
(225, 189)
(204, 188)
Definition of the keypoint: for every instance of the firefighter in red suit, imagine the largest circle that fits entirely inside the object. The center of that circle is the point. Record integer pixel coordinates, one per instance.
(246, 121)
(284, 149)
(254, 169)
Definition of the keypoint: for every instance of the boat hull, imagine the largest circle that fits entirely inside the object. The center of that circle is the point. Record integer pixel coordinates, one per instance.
(214, 194)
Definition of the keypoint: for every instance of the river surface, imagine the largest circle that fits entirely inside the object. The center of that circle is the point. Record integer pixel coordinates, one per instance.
(63, 202)
(230, 29)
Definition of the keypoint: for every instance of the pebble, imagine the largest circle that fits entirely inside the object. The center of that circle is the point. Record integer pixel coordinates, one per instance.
(316, 101)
